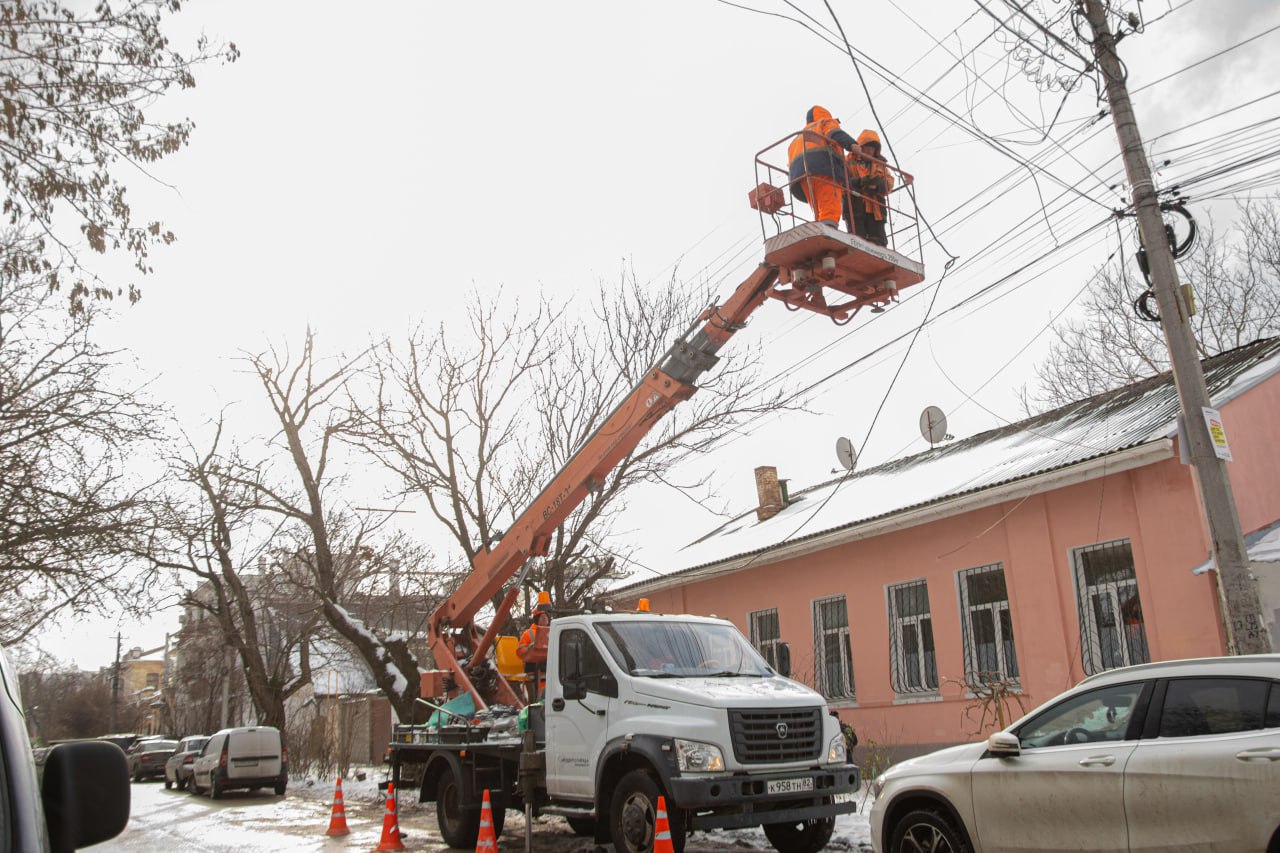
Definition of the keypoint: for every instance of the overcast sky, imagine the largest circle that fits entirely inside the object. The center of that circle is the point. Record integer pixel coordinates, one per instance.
(361, 169)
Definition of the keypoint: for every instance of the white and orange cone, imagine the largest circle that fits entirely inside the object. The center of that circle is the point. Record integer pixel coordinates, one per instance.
(338, 819)
(662, 829)
(486, 841)
(390, 824)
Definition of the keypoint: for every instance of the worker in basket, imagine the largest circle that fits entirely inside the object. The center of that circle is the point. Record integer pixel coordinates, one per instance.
(533, 652)
(816, 166)
(870, 182)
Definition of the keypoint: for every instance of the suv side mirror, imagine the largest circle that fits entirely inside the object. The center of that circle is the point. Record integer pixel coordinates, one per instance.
(784, 660)
(1004, 745)
(86, 793)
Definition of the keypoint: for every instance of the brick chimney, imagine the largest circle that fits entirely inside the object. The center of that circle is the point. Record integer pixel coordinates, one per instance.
(769, 489)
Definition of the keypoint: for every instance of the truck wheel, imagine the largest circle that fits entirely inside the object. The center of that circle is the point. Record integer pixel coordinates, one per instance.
(802, 836)
(924, 829)
(458, 826)
(584, 826)
(632, 813)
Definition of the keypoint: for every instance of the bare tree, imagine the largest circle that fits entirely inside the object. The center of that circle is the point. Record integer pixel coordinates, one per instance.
(214, 536)
(70, 436)
(77, 82)
(1236, 281)
(478, 423)
(340, 548)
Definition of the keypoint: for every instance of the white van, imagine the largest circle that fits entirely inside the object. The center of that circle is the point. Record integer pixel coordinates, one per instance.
(249, 757)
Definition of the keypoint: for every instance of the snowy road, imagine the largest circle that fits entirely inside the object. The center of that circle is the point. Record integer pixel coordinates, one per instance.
(240, 821)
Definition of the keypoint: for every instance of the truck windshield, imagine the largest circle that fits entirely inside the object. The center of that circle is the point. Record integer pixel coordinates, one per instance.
(669, 649)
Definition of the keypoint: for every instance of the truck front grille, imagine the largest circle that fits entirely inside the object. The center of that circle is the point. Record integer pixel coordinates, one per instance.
(776, 734)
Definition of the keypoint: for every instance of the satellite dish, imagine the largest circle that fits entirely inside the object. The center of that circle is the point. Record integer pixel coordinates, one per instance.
(933, 425)
(846, 454)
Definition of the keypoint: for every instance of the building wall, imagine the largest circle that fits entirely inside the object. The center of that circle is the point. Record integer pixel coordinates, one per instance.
(1155, 507)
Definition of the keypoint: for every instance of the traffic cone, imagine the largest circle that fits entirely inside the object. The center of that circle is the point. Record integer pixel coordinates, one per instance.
(338, 820)
(390, 824)
(662, 829)
(486, 841)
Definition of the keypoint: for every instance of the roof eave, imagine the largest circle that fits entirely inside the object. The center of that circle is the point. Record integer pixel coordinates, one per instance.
(1137, 456)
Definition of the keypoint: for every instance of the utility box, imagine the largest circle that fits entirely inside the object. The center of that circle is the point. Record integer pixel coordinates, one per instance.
(767, 198)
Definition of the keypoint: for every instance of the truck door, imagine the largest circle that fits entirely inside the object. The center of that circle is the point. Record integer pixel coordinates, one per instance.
(578, 696)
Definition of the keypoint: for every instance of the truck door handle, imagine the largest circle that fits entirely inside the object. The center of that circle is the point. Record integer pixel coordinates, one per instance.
(1263, 753)
(1098, 761)
(557, 704)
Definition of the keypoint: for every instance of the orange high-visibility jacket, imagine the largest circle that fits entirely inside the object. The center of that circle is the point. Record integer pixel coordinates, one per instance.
(809, 156)
(526, 650)
(870, 177)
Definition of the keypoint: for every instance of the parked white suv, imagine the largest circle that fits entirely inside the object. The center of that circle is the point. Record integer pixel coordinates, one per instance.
(248, 757)
(1181, 755)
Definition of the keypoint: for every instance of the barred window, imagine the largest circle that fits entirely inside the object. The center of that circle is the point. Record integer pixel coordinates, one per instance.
(1112, 630)
(912, 659)
(766, 633)
(832, 651)
(987, 626)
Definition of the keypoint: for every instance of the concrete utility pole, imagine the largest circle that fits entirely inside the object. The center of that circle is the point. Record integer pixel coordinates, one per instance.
(115, 685)
(1237, 592)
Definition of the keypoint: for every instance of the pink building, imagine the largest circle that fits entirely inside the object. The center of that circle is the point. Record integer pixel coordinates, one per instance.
(1031, 555)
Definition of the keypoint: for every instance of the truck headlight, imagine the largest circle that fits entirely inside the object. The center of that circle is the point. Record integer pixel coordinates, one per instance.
(698, 757)
(835, 750)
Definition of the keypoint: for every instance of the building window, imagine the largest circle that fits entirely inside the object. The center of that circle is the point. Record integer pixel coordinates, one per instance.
(913, 662)
(766, 633)
(153, 680)
(832, 651)
(987, 626)
(1112, 630)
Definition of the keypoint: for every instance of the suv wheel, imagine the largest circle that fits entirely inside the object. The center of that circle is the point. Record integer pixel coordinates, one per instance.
(925, 829)
(803, 836)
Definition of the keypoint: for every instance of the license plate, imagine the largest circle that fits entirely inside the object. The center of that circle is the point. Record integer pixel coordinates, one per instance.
(789, 786)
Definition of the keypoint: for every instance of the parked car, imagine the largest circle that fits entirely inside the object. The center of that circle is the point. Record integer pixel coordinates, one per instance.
(83, 798)
(1181, 755)
(147, 757)
(247, 757)
(177, 770)
(124, 741)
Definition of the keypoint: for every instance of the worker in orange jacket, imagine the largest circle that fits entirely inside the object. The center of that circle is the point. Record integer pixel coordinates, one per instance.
(533, 653)
(816, 165)
(870, 182)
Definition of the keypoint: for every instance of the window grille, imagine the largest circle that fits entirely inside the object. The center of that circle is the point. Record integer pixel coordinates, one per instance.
(832, 650)
(987, 626)
(765, 633)
(1112, 630)
(912, 660)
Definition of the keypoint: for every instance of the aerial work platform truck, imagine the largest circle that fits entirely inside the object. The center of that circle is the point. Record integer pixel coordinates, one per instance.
(638, 704)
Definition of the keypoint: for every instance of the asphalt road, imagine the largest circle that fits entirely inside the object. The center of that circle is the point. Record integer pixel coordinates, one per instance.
(240, 821)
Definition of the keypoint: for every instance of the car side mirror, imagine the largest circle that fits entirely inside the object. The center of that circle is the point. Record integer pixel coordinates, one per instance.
(86, 793)
(1004, 745)
(784, 660)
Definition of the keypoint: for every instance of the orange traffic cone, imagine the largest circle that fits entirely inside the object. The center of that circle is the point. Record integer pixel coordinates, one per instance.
(390, 824)
(486, 841)
(338, 820)
(662, 829)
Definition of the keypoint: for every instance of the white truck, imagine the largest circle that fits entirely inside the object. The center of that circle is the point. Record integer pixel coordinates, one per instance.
(636, 705)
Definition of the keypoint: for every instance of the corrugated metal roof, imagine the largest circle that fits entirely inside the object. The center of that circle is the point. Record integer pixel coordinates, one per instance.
(1088, 429)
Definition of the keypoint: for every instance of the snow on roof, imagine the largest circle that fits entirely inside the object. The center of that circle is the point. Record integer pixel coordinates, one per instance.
(1099, 426)
(1262, 546)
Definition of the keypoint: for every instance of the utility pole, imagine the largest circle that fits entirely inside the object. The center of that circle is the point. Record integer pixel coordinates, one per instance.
(115, 685)
(1237, 592)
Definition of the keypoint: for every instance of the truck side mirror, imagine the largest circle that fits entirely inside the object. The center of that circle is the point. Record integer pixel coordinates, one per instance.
(571, 680)
(86, 793)
(784, 660)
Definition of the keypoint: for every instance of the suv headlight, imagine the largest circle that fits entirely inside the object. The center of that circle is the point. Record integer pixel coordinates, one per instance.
(698, 757)
(835, 750)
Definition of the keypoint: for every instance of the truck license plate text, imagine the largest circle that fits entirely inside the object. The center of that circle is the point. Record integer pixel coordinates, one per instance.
(789, 786)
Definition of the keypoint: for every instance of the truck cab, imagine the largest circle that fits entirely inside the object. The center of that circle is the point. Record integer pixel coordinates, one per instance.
(640, 704)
